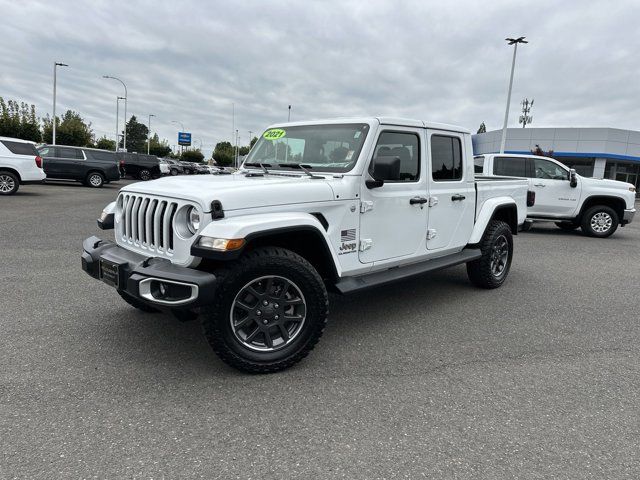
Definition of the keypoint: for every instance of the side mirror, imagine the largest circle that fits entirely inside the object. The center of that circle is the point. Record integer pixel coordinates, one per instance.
(383, 169)
(573, 180)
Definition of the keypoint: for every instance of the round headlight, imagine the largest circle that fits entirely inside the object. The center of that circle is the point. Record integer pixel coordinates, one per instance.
(193, 220)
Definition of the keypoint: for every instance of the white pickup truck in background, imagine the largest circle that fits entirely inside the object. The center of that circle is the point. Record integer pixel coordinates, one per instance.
(562, 196)
(342, 204)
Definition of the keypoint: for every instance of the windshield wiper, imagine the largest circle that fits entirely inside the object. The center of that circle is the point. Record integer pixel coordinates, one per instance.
(304, 168)
(263, 166)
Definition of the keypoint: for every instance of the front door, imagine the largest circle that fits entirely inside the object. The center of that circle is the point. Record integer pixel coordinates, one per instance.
(393, 217)
(451, 190)
(554, 195)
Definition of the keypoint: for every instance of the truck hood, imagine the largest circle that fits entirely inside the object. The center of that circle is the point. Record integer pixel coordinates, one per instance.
(237, 191)
(606, 183)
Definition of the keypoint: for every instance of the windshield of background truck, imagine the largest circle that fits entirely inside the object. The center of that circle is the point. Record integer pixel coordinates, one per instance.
(329, 148)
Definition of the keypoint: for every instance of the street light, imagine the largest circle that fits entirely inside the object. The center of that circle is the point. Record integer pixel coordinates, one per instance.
(289, 117)
(514, 42)
(124, 141)
(55, 67)
(149, 133)
(118, 119)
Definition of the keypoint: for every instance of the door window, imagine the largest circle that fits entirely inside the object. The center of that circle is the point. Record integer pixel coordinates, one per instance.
(547, 170)
(510, 166)
(47, 152)
(402, 145)
(446, 158)
(71, 153)
(478, 164)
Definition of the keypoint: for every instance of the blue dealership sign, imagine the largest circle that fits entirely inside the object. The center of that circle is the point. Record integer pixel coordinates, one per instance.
(184, 138)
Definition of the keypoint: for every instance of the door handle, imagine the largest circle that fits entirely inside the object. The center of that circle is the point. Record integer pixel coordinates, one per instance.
(418, 200)
(458, 197)
(539, 185)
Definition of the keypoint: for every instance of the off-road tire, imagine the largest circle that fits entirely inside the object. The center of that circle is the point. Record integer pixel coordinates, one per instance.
(144, 175)
(607, 212)
(94, 180)
(135, 303)
(10, 183)
(480, 271)
(568, 226)
(254, 265)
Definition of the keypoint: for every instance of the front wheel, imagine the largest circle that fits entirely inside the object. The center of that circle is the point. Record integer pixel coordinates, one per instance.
(9, 183)
(145, 175)
(173, 172)
(600, 221)
(268, 313)
(492, 268)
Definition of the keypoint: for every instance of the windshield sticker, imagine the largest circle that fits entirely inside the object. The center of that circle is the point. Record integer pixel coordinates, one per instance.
(274, 134)
(349, 155)
(357, 135)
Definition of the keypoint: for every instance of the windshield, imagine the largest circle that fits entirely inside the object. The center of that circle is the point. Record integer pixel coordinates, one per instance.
(329, 148)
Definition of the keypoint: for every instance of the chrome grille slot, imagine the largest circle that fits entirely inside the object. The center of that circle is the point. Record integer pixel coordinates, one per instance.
(147, 223)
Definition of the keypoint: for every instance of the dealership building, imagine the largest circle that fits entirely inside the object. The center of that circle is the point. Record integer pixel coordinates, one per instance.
(594, 152)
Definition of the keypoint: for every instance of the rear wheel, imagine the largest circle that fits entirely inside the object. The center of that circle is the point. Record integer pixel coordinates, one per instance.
(567, 225)
(268, 313)
(600, 221)
(94, 180)
(492, 268)
(144, 175)
(9, 183)
(173, 172)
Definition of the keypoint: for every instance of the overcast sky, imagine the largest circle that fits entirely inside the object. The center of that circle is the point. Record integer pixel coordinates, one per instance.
(440, 61)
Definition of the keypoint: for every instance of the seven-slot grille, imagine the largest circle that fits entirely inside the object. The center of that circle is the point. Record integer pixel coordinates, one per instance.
(148, 222)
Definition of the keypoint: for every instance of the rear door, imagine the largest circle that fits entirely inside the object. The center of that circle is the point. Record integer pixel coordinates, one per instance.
(451, 191)
(70, 162)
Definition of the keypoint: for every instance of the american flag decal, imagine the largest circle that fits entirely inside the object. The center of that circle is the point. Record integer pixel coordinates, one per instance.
(348, 235)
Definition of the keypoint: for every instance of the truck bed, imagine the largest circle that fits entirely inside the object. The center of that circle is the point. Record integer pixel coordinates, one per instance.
(493, 187)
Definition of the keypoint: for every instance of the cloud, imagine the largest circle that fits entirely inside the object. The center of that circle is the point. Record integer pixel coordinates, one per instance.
(447, 62)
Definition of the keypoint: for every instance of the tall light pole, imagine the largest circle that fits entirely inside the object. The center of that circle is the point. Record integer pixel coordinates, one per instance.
(118, 120)
(55, 67)
(149, 133)
(289, 117)
(514, 42)
(126, 96)
(237, 140)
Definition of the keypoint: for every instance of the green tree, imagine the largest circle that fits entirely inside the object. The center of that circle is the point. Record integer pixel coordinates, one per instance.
(159, 148)
(253, 142)
(106, 143)
(223, 154)
(192, 156)
(18, 120)
(71, 129)
(136, 136)
(483, 128)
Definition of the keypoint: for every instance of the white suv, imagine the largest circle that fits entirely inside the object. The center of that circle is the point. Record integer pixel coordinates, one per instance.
(20, 164)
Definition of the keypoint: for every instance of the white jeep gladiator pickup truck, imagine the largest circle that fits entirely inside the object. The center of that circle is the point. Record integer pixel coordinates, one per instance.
(564, 197)
(337, 204)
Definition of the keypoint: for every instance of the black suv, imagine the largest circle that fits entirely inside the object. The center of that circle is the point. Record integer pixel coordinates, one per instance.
(90, 166)
(138, 165)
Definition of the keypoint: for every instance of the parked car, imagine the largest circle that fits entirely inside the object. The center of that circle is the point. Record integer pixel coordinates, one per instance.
(570, 200)
(175, 167)
(91, 166)
(20, 164)
(202, 169)
(139, 165)
(355, 204)
(189, 168)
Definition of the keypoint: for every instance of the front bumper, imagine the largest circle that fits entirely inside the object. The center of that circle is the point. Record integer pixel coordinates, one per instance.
(628, 215)
(143, 277)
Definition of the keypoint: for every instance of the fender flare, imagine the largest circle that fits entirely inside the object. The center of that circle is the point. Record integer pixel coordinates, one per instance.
(485, 215)
(254, 226)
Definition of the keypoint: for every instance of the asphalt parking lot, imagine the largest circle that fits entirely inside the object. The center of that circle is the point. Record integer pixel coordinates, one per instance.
(429, 378)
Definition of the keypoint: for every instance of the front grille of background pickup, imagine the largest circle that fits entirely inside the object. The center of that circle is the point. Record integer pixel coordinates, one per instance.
(148, 222)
